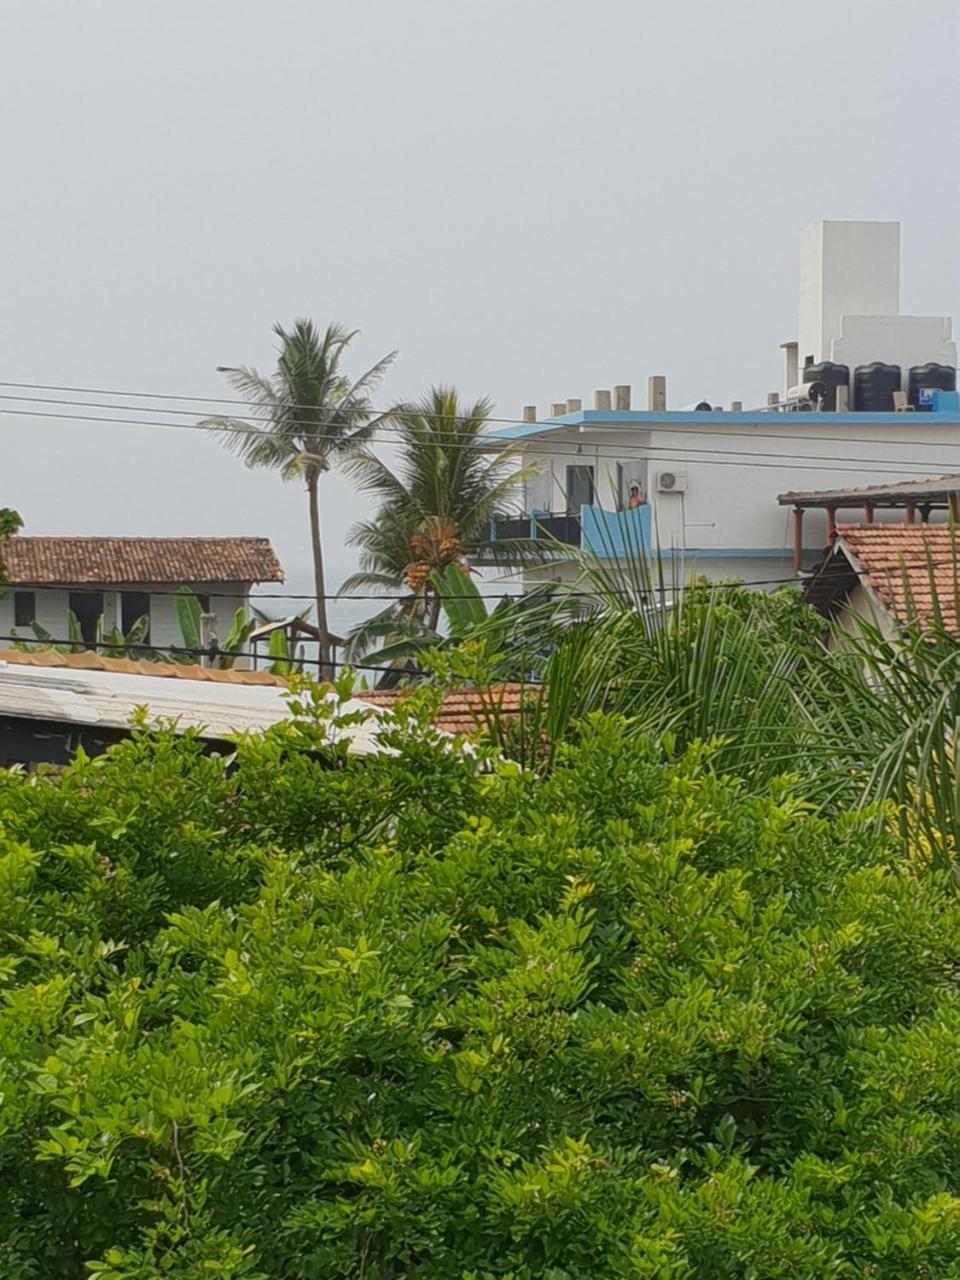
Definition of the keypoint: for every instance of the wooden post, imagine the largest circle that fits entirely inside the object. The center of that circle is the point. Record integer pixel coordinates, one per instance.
(910, 512)
(954, 508)
(831, 525)
(868, 513)
(797, 539)
(925, 513)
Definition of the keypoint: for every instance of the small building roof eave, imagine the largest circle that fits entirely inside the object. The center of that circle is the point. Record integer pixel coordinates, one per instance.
(934, 490)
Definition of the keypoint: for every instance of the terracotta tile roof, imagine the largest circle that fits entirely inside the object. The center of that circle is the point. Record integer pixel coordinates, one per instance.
(109, 561)
(88, 661)
(905, 565)
(463, 711)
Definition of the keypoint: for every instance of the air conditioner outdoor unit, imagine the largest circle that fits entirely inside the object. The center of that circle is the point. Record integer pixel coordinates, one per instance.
(671, 482)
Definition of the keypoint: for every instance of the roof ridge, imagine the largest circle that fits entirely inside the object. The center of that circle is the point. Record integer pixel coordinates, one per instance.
(138, 537)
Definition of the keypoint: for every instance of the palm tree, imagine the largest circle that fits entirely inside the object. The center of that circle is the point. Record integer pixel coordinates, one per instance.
(438, 504)
(313, 414)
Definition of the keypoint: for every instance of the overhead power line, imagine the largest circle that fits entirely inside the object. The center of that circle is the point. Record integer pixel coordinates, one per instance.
(36, 646)
(251, 419)
(610, 452)
(413, 407)
(389, 597)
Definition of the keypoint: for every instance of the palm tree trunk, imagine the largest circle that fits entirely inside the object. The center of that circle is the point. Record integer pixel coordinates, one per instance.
(433, 617)
(326, 671)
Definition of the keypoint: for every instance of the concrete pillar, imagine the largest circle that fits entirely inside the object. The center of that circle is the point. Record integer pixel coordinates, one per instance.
(208, 639)
(791, 356)
(558, 408)
(602, 401)
(773, 397)
(621, 398)
(529, 413)
(574, 406)
(657, 393)
(736, 406)
(843, 399)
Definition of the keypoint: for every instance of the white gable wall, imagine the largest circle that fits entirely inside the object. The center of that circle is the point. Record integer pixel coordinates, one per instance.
(53, 604)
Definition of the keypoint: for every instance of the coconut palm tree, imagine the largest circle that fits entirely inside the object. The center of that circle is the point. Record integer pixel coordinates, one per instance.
(312, 415)
(438, 505)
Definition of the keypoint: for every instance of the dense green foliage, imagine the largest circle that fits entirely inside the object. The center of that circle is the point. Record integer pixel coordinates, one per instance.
(10, 523)
(302, 1016)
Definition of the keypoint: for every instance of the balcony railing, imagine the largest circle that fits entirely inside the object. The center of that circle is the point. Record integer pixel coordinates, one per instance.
(605, 534)
(565, 529)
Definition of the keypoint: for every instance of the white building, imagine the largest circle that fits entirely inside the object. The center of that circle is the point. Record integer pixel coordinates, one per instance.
(112, 582)
(710, 478)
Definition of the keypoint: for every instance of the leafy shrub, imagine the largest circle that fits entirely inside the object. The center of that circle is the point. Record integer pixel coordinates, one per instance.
(296, 1015)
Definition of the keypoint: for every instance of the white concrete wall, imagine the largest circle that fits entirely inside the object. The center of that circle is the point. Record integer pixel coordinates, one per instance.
(51, 614)
(849, 305)
(546, 491)
(731, 502)
(729, 520)
(862, 606)
(53, 604)
(901, 340)
(846, 269)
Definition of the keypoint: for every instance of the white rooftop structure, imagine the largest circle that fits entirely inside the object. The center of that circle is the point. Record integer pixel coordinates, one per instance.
(850, 301)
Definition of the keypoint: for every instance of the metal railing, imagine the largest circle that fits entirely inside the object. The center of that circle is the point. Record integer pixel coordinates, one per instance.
(562, 528)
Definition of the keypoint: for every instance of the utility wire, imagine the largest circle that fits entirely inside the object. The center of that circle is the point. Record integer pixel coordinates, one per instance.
(614, 452)
(37, 646)
(252, 419)
(406, 406)
(562, 593)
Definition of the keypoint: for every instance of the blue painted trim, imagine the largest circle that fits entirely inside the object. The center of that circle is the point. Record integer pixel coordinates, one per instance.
(735, 553)
(754, 418)
(615, 535)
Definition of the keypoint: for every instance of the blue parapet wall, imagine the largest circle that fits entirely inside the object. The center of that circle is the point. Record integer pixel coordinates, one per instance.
(615, 535)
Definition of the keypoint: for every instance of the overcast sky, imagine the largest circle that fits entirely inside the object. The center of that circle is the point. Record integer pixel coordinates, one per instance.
(529, 198)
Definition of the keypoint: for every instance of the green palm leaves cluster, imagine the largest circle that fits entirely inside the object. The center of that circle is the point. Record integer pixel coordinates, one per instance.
(303, 418)
(10, 523)
(438, 497)
(437, 504)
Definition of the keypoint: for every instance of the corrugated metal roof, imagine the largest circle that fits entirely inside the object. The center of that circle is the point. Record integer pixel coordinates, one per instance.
(108, 700)
(935, 488)
(113, 561)
(223, 702)
(89, 661)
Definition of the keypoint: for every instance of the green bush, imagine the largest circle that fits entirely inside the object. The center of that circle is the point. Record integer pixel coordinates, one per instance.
(296, 1015)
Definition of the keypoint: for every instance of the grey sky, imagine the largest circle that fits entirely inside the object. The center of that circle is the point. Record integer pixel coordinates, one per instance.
(530, 198)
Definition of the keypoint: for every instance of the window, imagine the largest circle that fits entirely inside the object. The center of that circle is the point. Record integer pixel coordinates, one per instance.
(134, 605)
(87, 608)
(24, 608)
(579, 488)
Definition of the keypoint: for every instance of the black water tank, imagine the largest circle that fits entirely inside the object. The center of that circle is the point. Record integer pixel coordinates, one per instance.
(873, 387)
(932, 377)
(828, 376)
